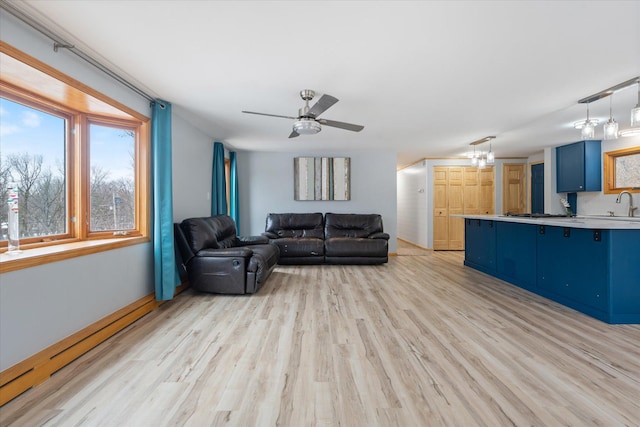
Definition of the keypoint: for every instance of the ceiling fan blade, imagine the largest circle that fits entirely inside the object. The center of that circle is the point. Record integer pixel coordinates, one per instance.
(294, 134)
(322, 105)
(270, 115)
(341, 125)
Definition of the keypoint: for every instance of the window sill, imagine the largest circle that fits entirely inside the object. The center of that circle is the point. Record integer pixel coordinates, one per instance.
(44, 255)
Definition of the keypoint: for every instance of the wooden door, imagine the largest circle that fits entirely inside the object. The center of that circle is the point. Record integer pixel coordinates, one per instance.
(472, 190)
(456, 196)
(487, 191)
(440, 208)
(459, 190)
(513, 188)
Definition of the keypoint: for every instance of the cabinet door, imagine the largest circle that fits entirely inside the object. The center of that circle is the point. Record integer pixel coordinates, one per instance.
(480, 244)
(573, 266)
(570, 167)
(516, 253)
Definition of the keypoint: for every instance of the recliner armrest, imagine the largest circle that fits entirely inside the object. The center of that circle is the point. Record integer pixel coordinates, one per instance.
(253, 240)
(379, 235)
(240, 251)
(270, 235)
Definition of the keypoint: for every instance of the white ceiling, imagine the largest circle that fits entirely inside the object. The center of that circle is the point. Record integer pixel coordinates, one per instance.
(424, 78)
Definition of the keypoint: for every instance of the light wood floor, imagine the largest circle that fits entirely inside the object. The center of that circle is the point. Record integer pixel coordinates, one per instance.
(420, 341)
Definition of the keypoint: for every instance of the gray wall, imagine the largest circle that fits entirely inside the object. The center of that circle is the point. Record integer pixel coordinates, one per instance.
(266, 185)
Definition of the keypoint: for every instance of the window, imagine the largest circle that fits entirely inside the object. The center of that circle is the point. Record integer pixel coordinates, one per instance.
(79, 159)
(622, 170)
(34, 140)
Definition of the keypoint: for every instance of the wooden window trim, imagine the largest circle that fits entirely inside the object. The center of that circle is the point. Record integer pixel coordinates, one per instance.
(609, 162)
(80, 103)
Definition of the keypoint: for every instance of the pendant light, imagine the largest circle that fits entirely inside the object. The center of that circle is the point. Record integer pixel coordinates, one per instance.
(635, 112)
(611, 127)
(589, 128)
(474, 159)
(491, 157)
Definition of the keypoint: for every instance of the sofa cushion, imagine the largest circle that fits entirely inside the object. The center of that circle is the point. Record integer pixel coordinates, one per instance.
(352, 225)
(295, 225)
(361, 247)
(209, 232)
(293, 247)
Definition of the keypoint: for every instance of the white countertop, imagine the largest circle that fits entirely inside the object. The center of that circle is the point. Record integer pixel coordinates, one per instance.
(591, 222)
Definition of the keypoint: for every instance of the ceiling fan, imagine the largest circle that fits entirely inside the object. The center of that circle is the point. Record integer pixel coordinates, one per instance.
(307, 122)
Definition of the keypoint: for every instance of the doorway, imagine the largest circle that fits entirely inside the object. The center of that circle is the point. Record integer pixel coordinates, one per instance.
(537, 188)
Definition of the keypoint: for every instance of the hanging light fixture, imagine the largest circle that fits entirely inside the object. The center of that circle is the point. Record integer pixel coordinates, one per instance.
(589, 127)
(635, 112)
(491, 157)
(609, 132)
(484, 158)
(474, 159)
(611, 127)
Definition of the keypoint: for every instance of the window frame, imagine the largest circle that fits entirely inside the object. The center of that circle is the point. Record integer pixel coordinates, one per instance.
(79, 105)
(609, 163)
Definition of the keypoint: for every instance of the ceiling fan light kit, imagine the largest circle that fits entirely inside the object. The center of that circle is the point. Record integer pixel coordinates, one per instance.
(306, 126)
(307, 122)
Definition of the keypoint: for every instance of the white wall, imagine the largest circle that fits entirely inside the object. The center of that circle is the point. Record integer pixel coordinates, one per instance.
(42, 305)
(266, 185)
(412, 204)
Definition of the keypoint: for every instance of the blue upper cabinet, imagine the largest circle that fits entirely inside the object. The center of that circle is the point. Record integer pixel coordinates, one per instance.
(579, 167)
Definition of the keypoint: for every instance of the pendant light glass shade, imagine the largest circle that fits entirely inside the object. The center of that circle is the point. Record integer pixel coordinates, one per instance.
(491, 158)
(635, 112)
(589, 129)
(611, 127)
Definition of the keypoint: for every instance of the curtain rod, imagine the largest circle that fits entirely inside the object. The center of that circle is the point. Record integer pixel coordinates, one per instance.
(59, 42)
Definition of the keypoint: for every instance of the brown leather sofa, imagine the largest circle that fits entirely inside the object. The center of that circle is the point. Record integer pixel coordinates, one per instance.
(217, 260)
(311, 238)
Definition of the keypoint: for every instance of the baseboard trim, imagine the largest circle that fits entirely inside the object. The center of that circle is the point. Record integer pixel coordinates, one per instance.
(39, 367)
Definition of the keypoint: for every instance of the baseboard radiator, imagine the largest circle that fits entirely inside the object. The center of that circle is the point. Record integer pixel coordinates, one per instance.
(39, 367)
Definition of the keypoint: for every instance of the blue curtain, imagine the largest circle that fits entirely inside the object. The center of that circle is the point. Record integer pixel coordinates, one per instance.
(218, 182)
(234, 201)
(165, 269)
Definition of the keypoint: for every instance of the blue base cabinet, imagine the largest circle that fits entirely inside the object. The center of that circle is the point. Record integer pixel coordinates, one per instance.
(480, 245)
(516, 253)
(593, 271)
(573, 268)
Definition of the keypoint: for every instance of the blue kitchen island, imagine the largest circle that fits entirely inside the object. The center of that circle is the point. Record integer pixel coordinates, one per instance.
(591, 264)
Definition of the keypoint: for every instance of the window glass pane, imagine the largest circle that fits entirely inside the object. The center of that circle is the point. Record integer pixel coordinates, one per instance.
(627, 171)
(32, 155)
(112, 169)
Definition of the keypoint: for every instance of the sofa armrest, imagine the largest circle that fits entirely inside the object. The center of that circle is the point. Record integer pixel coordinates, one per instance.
(240, 251)
(270, 235)
(379, 235)
(253, 240)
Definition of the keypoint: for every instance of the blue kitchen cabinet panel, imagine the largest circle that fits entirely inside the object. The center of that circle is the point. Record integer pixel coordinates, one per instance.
(573, 267)
(624, 272)
(579, 167)
(516, 253)
(480, 245)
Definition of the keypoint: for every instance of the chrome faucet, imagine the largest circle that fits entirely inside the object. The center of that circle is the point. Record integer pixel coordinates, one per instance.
(631, 208)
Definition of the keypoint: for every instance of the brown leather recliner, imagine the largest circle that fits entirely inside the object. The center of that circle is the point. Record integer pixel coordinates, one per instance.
(217, 260)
